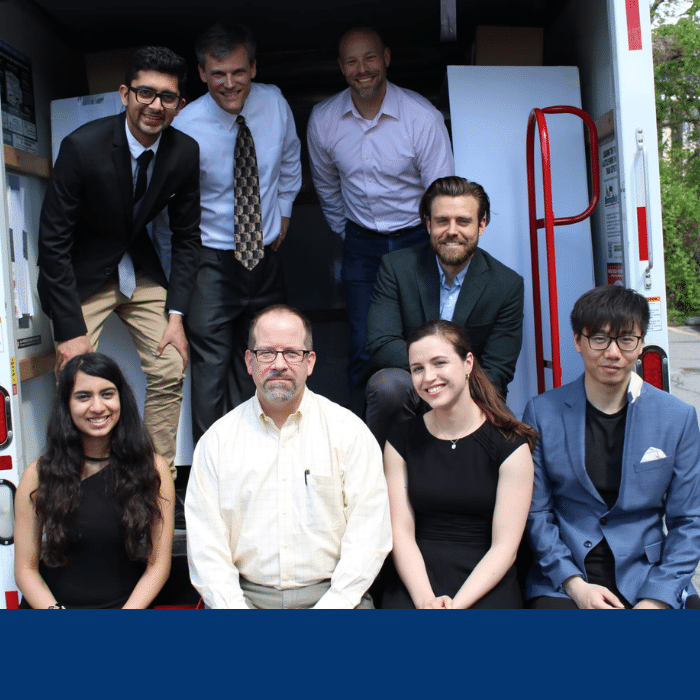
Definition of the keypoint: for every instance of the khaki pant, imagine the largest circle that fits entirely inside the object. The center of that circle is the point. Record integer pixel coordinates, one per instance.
(267, 598)
(145, 318)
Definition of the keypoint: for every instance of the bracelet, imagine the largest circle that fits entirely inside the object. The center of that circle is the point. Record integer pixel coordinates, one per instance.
(58, 606)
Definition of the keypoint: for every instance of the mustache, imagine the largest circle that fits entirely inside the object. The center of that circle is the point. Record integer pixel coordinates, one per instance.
(279, 374)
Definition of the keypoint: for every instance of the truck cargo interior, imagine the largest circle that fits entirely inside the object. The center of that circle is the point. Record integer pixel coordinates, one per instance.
(485, 66)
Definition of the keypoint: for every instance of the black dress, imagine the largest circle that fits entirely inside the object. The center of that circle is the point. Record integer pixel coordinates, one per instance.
(453, 495)
(98, 573)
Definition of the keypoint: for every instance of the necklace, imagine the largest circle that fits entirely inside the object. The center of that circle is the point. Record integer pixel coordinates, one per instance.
(96, 459)
(466, 432)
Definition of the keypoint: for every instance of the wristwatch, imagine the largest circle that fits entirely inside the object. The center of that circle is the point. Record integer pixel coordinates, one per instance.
(58, 606)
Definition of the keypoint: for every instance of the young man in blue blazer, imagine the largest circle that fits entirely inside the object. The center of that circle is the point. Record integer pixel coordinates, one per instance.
(615, 457)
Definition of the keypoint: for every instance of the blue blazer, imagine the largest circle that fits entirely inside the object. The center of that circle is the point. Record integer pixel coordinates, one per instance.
(568, 517)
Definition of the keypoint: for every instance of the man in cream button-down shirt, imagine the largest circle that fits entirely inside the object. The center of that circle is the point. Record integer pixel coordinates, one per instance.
(287, 504)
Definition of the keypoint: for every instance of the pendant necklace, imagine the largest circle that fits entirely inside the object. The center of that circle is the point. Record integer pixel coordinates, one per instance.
(454, 442)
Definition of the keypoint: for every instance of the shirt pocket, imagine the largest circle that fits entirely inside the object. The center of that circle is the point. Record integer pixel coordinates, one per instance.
(324, 503)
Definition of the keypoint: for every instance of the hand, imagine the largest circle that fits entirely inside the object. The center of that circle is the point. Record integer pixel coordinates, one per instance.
(283, 232)
(650, 604)
(590, 596)
(174, 335)
(443, 602)
(68, 349)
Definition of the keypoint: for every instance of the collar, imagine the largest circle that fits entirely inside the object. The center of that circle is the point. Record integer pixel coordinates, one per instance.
(228, 121)
(303, 409)
(459, 277)
(389, 108)
(136, 148)
(634, 388)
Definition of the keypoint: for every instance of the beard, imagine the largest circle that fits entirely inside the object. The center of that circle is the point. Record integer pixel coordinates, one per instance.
(279, 393)
(454, 255)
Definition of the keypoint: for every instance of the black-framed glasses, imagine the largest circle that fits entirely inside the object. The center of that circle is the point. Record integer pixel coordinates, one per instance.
(267, 356)
(146, 96)
(600, 341)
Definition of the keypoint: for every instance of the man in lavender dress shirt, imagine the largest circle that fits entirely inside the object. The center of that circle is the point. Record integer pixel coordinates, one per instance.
(374, 149)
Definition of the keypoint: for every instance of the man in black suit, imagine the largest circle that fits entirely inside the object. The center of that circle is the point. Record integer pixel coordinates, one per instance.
(448, 278)
(112, 176)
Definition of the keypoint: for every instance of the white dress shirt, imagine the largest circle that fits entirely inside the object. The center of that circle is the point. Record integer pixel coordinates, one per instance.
(277, 150)
(287, 508)
(375, 172)
(161, 240)
(136, 149)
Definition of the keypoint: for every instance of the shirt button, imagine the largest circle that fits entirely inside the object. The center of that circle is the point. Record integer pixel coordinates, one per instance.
(588, 544)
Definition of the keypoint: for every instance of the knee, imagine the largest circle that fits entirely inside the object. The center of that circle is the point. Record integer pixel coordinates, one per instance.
(168, 369)
(388, 387)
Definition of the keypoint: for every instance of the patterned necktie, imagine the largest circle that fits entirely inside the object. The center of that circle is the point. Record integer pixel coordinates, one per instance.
(247, 218)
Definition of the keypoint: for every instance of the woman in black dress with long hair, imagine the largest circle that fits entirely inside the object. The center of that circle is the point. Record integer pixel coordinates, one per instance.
(95, 513)
(460, 483)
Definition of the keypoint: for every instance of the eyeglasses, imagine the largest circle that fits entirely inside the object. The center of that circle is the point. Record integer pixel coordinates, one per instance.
(626, 343)
(293, 357)
(146, 96)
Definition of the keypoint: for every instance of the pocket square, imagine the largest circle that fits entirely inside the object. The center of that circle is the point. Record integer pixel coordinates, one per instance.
(652, 454)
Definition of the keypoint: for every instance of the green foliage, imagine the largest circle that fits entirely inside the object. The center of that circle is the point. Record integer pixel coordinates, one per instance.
(677, 71)
(681, 223)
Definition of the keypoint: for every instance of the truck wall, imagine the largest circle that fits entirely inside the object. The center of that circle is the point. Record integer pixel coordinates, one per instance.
(57, 69)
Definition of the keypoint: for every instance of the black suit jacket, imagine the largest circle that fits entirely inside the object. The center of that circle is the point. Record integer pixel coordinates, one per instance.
(87, 221)
(489, 306)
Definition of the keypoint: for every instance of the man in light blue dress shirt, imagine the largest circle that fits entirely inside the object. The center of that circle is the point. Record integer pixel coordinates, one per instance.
(227, 294)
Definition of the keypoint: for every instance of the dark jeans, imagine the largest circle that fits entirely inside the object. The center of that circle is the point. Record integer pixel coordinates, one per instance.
(225, 300)
(362, 254)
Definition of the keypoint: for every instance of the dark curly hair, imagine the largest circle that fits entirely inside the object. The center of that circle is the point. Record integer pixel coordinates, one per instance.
(135, 483)
(481, 390)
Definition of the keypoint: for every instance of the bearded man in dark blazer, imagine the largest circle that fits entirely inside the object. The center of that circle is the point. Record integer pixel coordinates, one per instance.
(448, 278)
(112, 176)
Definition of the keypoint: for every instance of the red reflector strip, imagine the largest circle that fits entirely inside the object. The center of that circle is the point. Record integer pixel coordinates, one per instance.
(11, 600)
(3, 419)
(634, 26)
(653, 369)
(5, 462)
(642, 233)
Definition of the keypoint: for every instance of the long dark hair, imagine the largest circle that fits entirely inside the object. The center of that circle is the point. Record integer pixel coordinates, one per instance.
(136, 481)
(481, 390)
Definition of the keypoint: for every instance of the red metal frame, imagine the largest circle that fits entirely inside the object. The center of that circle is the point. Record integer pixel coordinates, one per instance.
(548, 223)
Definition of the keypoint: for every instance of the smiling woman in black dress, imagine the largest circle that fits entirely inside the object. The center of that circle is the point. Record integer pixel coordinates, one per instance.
(460, 483)
(95, 513)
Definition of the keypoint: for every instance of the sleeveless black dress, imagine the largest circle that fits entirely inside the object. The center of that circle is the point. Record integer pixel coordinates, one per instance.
(98, 573)
(453, 495)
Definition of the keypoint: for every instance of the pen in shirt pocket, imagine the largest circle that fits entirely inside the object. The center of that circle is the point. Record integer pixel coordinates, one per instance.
(306, 476)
